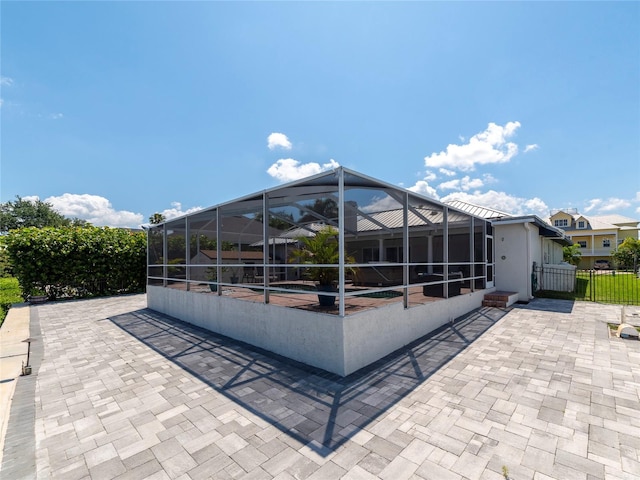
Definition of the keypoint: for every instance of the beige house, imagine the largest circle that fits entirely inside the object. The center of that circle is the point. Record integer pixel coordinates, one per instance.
(597, 236)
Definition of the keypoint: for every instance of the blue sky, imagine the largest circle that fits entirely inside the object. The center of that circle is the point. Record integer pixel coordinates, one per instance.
(112, 111)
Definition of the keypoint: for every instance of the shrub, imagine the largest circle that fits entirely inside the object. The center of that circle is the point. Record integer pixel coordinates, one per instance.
(77, 261)
(9, 294)
(5, 266)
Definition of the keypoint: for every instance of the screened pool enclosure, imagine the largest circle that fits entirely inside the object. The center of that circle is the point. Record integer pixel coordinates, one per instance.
(394, 249)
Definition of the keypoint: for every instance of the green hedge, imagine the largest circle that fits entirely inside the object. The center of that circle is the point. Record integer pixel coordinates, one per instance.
(9, 294)
(77, 261)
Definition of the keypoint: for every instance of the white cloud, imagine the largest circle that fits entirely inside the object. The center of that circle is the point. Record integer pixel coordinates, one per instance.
(488, 178)
(288, 169)
(422, 187)
(450, 185)
(278, 140)
(635, 200)
(95, 209)
(381, 204)
(177, 211)
(592, 204)
(430, 176)
(537, 206)
(465, 184)
(56, 116)
(502, 201)
(6, 81)
(530, 148)
(448, 173)
(614, 204)
(609, 205)
(468, 183)
(487, 147)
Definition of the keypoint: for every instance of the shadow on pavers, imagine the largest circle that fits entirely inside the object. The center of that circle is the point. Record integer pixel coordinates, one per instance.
(548, 305)
(313, 406)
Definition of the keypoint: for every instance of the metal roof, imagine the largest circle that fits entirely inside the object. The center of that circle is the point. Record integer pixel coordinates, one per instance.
(393, 219)
(477, 210)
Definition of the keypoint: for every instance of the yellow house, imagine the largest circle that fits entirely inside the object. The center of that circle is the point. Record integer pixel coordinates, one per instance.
(597, 236)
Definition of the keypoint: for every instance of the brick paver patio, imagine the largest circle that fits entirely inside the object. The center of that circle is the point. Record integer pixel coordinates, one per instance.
(119, 391)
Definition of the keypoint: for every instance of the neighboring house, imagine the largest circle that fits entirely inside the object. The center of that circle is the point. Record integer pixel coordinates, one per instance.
(522, 245)
(597, 236)
(230, 257)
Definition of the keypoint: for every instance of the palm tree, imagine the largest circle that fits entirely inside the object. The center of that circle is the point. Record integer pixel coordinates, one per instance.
(321, 249)
(572, 254)
(157, 218)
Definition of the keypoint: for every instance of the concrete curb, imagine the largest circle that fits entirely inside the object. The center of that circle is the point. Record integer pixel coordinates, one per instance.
(18, 392)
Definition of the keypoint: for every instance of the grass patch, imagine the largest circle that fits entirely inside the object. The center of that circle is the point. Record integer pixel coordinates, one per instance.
(9, 293)
(612, 287)
(622, 288)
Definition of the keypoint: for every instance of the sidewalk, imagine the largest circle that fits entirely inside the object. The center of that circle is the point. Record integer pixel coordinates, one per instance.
(124, 392)
(13, 352)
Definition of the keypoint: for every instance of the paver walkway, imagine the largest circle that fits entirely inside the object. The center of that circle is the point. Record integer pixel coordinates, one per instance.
(124, 392)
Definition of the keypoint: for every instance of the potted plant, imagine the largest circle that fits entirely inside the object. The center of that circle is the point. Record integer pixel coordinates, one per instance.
(234, 275)
(321, 249)
(212, 275)
(37, 295)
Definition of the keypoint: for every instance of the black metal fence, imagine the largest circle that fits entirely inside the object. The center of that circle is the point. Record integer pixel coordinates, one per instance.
(604, 286)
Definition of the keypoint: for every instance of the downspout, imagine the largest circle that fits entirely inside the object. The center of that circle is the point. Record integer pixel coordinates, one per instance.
(529, 264)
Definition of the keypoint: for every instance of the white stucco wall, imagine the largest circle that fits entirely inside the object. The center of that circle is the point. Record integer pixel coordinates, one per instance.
(315, 339)
(338, 345)
(372, 334)
(516, 249)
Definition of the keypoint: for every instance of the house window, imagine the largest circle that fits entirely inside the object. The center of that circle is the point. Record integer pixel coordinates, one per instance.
(606, 243)
(582, 224)
(561, 223)
(582, 243)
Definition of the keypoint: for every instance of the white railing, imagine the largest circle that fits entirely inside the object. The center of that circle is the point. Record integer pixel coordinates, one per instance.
(596, 252)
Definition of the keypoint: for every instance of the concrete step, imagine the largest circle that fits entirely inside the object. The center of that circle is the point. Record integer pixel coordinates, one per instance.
(500, 299)
(494, 303)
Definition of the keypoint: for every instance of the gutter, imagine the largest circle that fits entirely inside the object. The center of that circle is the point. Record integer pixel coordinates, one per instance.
(560, 236)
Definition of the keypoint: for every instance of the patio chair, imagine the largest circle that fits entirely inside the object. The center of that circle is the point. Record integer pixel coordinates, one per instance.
(249, 275)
